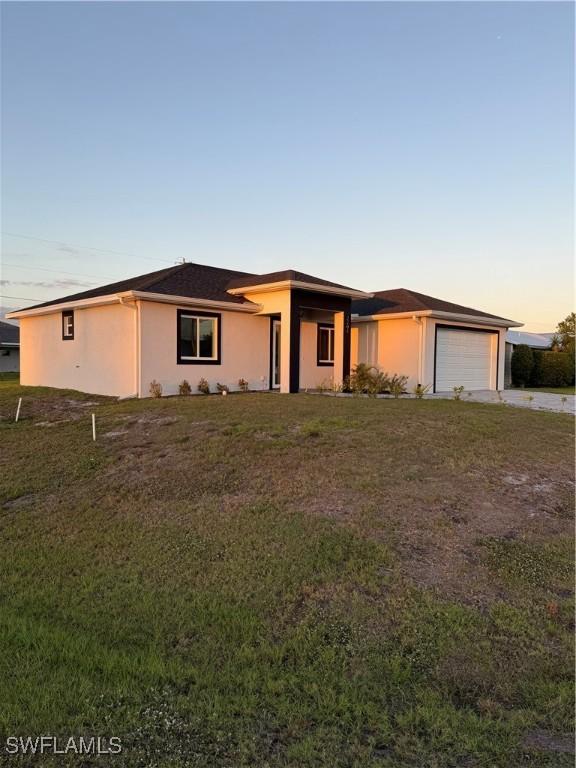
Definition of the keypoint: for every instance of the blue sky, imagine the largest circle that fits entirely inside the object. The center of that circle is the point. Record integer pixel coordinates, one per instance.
(380, 145)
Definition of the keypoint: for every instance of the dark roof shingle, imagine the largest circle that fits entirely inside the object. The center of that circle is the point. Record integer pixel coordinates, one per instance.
(403, 300)
(191, 280)
(286, 274)
(9, 334)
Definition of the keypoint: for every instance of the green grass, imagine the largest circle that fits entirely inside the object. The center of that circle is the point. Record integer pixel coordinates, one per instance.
(553, 390)
(273, 581)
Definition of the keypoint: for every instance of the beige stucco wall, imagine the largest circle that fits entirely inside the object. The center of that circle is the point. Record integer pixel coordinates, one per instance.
(100, 359)
(278, 303)
(245, 350)
(406, 346)
(312, 374)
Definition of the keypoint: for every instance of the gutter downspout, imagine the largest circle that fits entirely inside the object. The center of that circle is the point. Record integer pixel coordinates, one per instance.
(135, 307)
(420, 332)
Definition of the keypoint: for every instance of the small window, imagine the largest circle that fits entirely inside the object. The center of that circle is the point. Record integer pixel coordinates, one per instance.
(198, 338)
(67, 325)
(325, 345)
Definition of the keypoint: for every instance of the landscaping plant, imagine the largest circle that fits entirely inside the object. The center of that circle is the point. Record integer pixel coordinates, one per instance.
(458, 392)
(155, 388)
(420, 390)
(203, 386)
(184, 388)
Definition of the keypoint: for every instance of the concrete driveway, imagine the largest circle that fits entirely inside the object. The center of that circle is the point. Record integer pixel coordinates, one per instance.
(542, 401)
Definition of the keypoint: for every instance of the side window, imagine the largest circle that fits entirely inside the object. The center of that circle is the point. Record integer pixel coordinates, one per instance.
(325, 354)
(198, 338)
(68, 325)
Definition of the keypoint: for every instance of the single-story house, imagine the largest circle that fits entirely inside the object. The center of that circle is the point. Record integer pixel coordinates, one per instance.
(283, 330)
(540, 341)
(9, 348)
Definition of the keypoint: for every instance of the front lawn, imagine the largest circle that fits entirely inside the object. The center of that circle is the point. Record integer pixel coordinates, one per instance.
(268, 580)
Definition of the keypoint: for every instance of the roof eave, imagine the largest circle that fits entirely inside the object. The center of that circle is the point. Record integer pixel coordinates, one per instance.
(285, 285)
(499, 322)
(232, 306)
(114, 298)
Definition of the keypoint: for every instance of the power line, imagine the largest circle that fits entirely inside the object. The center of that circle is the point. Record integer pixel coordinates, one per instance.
(58, 271)
(85, 247)
(22, 298)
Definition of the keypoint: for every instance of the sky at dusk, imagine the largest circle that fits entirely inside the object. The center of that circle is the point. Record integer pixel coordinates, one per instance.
(380, 145)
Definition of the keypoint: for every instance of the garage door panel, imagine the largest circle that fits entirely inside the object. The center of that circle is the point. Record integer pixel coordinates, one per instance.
(464, 358)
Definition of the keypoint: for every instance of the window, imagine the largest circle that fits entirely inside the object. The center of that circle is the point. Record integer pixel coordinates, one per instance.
(67, 325)
(198, 338)
(325, 345)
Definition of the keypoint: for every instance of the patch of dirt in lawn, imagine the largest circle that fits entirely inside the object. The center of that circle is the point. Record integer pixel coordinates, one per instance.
(45, 412)
(437, 532)
(544, 741)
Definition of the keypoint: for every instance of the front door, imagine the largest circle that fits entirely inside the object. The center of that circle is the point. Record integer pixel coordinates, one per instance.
(276, 331)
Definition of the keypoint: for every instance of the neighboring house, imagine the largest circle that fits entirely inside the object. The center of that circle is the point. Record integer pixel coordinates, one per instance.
(283, 330)
(9, 347)
(533, 340)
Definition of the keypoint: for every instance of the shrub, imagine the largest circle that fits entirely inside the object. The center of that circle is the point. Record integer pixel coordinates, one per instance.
(552, 369)
(458, 391)
(420, 390)
(243, 385)
(522, 365)
(155, 388)
(397, 384)
(366, 379)
(184, 388)
(361, 378)
(203, 386)
(222, 388)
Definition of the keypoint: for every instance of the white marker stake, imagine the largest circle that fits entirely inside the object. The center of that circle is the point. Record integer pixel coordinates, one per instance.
(94, 426)
(18, 409)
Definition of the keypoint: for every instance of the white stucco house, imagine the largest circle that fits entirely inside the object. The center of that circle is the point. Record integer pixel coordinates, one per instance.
(284, 330)
(9, 348)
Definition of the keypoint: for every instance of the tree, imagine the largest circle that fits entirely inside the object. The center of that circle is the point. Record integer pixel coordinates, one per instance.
(565, 333)
(522, 365)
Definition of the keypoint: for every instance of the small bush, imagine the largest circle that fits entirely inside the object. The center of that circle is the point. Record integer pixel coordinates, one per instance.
(458, 391)
(368, 380)
(361, 378)
(222, 388)
(522, 365)
(420, 390)
(552, 369)
(243, 385)
(155, 388)
(184, 388)
(203, 386)
(397, 385)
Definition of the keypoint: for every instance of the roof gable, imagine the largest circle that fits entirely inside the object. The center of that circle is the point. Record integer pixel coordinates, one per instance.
(282, 276)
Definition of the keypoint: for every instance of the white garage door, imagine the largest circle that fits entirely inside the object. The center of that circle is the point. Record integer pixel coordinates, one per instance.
(465, 358)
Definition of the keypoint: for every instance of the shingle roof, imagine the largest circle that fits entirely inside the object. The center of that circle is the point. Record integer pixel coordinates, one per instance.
(195, 281)
(403, 300)
(277, 277)
(9, 334)
(191, 280)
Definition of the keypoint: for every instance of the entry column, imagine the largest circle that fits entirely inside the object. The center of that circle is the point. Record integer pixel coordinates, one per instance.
(341, 346)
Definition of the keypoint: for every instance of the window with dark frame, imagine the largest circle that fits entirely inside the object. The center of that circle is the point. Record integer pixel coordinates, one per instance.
(68, 325)
(325, 349)
(198, 338)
